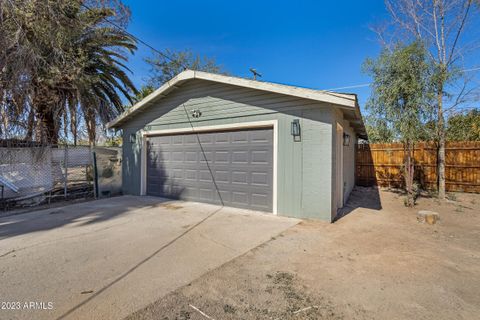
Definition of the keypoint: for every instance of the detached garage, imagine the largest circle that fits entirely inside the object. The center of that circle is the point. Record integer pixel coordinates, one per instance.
(249, 144)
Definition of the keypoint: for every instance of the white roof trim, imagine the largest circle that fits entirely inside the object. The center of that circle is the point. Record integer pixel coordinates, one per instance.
(343, 100)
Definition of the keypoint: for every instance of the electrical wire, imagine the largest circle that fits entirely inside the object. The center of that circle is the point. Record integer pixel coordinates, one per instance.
(369, 84)
(186, 113)
(204, 156)
(327, 91)
(135, 37)
(349, 87)
(152, 47)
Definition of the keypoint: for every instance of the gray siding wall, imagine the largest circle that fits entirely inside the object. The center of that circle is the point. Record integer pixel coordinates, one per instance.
(304, 168)
(348, 156)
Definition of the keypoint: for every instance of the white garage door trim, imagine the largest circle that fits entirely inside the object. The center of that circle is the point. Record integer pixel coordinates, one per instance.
(234, 126)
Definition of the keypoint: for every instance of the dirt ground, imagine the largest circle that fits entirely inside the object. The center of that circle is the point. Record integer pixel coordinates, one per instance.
(371, 264)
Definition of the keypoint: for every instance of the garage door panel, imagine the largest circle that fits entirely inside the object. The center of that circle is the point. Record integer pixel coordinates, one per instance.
(189, 140)
(222, 157)
(240, 177)
(240, 157)
(259, 178)
(222, 176)
(205, 156)
(260, 157)
(191, 156)
(222, 139)
(259, 137)
(241, 161)
(260, 200)
(239, 198)
(206, 139)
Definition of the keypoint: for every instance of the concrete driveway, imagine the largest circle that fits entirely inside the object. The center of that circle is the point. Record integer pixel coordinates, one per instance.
(106, 259)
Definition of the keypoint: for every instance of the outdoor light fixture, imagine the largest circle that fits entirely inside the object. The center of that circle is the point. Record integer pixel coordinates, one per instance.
(296, 128)
(133, 137)
(346, 139)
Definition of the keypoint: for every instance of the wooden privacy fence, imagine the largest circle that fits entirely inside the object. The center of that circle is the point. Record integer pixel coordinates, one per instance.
(382, 164)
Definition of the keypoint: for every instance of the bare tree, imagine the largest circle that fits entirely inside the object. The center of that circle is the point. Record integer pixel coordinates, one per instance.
(444, 27)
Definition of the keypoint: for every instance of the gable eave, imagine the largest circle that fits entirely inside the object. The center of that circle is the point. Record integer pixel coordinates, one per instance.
(337, 99)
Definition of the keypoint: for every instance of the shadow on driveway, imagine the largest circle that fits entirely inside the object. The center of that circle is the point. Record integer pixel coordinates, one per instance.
(85, 213)
(145, 248)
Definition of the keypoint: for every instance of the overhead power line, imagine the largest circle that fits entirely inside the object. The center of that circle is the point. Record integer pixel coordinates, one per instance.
(134, 37)
(472, 69)
(166, 56)
(349, 87)
(184, 108)
(369, 84)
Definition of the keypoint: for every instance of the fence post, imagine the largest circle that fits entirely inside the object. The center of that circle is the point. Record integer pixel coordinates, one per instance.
(95, 174)
(3, 201)
(65, 164)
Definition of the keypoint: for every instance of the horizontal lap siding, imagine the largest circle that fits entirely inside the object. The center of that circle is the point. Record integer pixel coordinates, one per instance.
(215, 103)
(224, 104)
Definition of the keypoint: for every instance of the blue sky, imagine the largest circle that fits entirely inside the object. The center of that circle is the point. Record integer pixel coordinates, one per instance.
(314, 44)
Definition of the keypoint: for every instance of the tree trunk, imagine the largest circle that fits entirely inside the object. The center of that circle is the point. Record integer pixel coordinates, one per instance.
(441, 146)
(47, 131)
(47, 123)
(409, 173)
(91, 126)
(73, 126)
(30, 125)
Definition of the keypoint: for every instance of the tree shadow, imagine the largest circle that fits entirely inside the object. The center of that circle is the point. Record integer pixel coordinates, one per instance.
(160, 181)
(85, 213)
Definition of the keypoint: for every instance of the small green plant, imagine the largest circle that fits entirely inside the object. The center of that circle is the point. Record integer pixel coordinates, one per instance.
(452, 197)
(229, 309)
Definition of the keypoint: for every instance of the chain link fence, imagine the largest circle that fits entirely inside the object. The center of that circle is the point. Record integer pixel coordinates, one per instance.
(34, 174)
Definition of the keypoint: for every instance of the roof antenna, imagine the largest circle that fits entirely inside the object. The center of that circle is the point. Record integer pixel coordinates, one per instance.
(255, 73)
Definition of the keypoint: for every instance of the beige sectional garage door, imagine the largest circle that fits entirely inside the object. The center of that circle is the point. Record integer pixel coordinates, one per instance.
(241, 162)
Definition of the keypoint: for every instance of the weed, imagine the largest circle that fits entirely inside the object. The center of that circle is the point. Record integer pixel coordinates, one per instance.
(283, 278)
(229, 309)
(452, 197)
(184, 315)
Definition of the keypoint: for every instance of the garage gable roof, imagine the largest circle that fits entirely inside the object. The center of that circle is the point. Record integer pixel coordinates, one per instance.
(340, 99)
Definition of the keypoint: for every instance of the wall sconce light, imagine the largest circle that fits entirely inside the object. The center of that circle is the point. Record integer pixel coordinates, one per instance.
(295, 130)
(132, 138)
(346, 139)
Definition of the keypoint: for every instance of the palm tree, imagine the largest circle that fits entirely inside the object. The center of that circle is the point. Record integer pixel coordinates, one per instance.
(103, 76)
(67, 62)
(97, 80)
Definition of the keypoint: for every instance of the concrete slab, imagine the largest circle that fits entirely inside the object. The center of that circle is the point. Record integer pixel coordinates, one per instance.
(106, 259)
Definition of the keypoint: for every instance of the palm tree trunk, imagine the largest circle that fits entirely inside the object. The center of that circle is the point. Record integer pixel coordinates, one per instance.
(91, 125)
(47, 128)
(73, 121)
